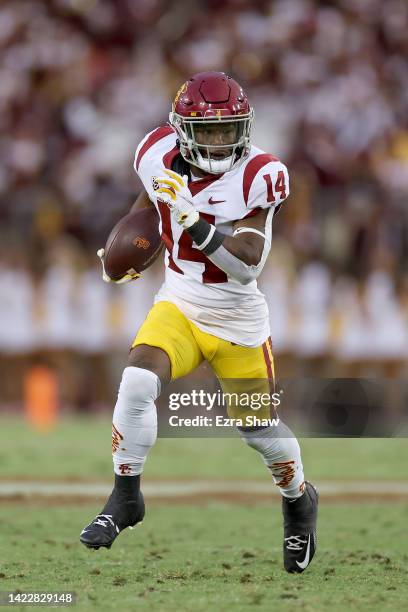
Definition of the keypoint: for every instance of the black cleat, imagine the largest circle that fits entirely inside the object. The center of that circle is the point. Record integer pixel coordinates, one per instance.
(102, 531)
(123, 509)
(300, 516)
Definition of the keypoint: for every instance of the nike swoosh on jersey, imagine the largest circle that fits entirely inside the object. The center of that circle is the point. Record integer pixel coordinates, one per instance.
(305, 562)
(211, 201)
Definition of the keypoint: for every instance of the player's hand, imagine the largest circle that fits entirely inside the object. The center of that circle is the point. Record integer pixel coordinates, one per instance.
(174, 191)
(125, 279)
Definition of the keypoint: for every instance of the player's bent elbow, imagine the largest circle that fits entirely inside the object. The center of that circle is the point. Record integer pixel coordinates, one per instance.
(247, 277)
(250, 255)
(253, 260)
(250, 269)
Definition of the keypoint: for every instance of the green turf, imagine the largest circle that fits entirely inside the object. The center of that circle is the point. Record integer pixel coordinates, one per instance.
(216, 558)
(81, 448)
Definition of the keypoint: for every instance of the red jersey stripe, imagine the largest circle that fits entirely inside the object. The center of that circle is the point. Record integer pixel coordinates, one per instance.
(253, 212)
(252, 170)
(166, 235)
(158, 134)
(168, 157)
(200, 184)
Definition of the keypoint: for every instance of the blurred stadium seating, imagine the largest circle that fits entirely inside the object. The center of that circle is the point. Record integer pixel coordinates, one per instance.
(83, 80)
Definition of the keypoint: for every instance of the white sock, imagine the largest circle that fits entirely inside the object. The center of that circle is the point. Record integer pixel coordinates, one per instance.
(281, 453)
(134, 427)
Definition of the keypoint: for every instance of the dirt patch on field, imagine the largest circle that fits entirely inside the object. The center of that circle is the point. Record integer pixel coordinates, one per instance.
(200, 492)
(198, 499)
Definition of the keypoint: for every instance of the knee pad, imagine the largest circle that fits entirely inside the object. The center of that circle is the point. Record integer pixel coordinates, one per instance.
(139, 386)
(272, 441)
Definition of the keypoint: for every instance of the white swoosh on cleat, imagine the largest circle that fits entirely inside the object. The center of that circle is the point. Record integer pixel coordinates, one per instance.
(305, 562)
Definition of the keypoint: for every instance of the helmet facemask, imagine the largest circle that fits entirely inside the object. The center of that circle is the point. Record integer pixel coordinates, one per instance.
(207, 156)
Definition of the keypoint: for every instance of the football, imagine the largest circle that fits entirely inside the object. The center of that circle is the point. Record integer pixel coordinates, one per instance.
(133, 244)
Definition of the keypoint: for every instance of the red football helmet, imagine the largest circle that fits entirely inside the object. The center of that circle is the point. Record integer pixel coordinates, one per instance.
(212, 103)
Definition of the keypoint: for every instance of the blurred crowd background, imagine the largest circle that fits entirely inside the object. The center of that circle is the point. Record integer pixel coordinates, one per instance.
(82, 81)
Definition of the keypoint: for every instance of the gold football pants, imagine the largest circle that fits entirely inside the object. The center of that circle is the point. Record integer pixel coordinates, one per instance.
(186, 345)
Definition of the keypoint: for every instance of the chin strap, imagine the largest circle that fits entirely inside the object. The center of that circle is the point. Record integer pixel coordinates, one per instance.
(215, 166)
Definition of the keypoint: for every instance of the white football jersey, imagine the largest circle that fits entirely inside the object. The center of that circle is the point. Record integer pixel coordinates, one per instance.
(215, 302)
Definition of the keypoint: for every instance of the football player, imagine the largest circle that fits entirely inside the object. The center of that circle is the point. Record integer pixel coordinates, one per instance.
(216, 195)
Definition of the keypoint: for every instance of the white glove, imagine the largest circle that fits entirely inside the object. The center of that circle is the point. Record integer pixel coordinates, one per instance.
(174, 192)
(129, 276)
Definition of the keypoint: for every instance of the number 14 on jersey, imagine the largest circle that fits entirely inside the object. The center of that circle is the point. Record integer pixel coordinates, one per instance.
(278, 188)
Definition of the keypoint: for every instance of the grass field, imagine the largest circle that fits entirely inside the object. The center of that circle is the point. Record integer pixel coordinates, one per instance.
(206, 556)
(214, 558)
(80, 448)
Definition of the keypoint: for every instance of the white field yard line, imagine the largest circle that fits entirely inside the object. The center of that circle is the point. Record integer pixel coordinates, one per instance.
(176, 489)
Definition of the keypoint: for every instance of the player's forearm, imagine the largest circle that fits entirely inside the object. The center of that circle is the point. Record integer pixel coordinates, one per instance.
(245, 250)
(142, 201)
(208, 239)
(232, 255)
